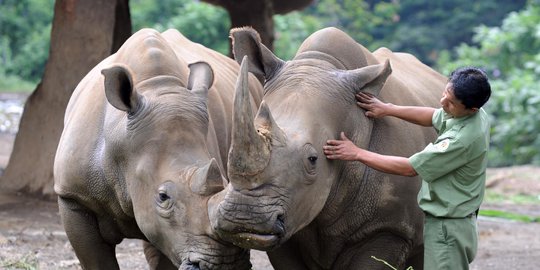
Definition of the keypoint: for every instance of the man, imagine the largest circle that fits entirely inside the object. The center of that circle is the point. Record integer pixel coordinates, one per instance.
(453, 168)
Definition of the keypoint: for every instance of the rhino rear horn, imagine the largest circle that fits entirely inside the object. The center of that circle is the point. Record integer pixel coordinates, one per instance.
(119, 89)
(207, 180)
(249, 152)
(266, 125)
(201, 78)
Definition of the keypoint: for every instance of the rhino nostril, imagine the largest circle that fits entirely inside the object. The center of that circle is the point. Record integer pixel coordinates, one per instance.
(279, 225)
(190, 266)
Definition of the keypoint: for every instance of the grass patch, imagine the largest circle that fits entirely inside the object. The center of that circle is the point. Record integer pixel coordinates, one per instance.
(495, 197)
(508, 215)
(27, 262)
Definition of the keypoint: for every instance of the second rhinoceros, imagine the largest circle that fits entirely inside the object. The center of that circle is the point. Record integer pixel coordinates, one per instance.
(141, 153)
(285, 197)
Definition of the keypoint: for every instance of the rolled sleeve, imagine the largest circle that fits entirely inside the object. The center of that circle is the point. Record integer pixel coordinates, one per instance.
(438, 159)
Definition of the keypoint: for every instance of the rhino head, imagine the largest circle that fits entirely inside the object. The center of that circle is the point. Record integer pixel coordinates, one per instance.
(169, 173)
(280, 179)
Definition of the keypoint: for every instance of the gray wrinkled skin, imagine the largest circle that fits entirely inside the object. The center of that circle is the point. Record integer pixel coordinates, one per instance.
(309, 212)
(145, 136)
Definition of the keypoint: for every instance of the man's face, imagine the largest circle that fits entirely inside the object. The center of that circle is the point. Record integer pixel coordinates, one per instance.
(452, 105)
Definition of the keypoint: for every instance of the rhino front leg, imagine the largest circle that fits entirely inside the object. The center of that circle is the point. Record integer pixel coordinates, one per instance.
(83, 233)
(156, 259)
(287, 256)
(373, 254)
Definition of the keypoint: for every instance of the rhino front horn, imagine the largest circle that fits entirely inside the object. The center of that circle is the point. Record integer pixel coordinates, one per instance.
(250, 152)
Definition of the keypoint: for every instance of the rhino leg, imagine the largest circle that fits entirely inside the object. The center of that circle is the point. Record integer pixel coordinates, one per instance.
(287, 256)
(83, 233)
(156, 260)
(416, 258)
(386, 247)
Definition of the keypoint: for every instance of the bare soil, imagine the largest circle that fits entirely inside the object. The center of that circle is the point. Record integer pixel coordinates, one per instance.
(32, 237)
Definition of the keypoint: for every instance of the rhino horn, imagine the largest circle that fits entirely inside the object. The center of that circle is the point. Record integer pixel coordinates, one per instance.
(267, 126)
(207, 180)
(250, 152)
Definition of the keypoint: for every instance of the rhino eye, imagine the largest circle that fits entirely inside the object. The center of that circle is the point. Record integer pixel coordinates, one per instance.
(163, 196)
(310, 159)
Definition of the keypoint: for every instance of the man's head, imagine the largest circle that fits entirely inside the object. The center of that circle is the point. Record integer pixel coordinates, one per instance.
(467, 90)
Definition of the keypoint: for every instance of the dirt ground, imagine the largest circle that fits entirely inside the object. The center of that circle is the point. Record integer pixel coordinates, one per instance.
(32, 237)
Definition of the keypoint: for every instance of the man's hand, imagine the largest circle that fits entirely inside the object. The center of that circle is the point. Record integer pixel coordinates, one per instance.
(343, 149)
(373, 106)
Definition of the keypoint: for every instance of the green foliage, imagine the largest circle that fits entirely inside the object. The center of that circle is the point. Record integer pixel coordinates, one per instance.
(508, 215)
(520, 199)
(147, 13)
(366, 23)
(426, 28)
(24, 40)
(290, 31)
(12, 83)
(510, 54)
(200, 22)
(422, 27)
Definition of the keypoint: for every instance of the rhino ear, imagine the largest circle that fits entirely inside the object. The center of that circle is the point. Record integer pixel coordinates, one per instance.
(119, 88)
(201, 78)
(370, 79)
(262, 62)
(207, 180)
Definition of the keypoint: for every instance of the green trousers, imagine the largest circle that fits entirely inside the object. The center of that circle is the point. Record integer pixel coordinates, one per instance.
(449, 243)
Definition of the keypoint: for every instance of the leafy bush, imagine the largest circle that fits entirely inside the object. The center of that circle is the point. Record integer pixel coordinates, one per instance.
(510, 55)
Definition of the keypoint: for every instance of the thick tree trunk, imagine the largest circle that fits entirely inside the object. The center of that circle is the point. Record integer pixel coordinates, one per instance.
(257, 14)
(84, 32)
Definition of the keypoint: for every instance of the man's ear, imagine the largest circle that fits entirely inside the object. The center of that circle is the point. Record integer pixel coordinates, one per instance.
(262, 62)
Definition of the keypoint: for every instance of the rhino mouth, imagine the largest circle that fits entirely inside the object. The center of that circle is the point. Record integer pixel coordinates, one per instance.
(199, 261)
(261, 240)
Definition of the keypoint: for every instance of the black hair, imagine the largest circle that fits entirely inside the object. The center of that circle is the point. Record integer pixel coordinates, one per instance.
(471, 86)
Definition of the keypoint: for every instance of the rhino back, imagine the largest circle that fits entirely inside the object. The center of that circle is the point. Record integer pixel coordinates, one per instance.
(335, 43)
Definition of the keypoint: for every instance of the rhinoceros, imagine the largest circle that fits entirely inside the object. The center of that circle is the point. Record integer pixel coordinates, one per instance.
(145, 135)
(284, 196)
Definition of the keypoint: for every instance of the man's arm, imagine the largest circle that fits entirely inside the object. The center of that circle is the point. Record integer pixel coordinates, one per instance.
(376, 109)
(345, 149)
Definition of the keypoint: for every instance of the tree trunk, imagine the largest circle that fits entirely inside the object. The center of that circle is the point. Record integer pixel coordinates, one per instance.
(257, 14)
(84, 32)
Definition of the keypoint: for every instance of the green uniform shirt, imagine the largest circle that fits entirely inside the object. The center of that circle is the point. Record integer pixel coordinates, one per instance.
(453, 168)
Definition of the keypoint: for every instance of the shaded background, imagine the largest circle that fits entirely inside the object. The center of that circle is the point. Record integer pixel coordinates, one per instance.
(54, 44)
(47, 46)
